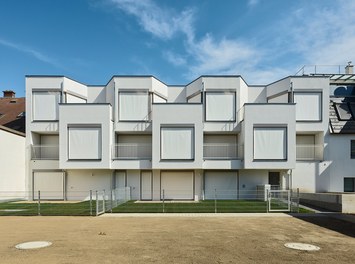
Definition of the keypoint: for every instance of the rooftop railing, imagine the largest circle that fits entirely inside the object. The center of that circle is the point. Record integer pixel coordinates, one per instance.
(321, 69)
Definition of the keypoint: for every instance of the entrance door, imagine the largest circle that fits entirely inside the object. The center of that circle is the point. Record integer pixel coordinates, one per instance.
(146, 185)
(274, 180)
(120, 180)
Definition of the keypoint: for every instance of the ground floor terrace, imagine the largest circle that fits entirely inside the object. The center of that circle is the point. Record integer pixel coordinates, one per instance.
(156, 185)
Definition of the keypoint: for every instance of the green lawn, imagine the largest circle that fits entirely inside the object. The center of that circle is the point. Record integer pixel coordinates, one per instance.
(65, 209)
(208, 206)
(83, 208)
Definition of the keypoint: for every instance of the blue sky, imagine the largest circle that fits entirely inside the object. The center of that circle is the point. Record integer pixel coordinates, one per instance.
(176, 41)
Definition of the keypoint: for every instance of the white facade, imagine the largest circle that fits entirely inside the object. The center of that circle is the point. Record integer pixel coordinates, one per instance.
(12, 164)
(181, 142)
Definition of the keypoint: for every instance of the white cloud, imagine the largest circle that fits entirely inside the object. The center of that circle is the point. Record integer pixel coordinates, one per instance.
(38, 55)
(207, 54)
(161, 23)
(323, 34)
(312, 34)
(175, 59)
(219, 57)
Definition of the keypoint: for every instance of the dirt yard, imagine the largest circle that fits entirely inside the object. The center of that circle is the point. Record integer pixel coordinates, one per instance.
(176, 240)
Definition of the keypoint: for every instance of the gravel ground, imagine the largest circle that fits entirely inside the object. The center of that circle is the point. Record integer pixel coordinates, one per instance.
(254, 239)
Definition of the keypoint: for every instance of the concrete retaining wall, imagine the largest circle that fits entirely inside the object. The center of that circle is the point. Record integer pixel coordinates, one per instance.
(338, 202)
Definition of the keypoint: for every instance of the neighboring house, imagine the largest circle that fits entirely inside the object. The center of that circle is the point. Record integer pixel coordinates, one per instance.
(215, 135)
(12, 111)
(12, 164)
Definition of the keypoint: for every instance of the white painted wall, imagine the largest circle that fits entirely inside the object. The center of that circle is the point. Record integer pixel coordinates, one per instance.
(85, 115)
(74, 87)
(304, 84)
(283, 98)
(266, 115)
(189, 114)
(159, 87)
(256, 94)
(304, 176)
(278, 87)
(177, 94)
(194, 87)
(80, 182)
(12, 165)
(337, 152)
(96, 94)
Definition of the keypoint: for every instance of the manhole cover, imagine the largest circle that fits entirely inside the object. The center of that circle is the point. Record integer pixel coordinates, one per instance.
(302, 246)
(33, 245)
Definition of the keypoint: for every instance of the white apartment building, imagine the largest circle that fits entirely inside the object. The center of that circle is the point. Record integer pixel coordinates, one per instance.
(216, 133)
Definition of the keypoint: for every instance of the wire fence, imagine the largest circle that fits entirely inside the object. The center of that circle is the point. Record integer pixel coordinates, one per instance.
(107, 201)
(97, 202)
(215, 201)
(78, 203)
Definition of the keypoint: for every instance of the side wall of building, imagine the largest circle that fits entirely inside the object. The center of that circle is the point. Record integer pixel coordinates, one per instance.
(12, 165)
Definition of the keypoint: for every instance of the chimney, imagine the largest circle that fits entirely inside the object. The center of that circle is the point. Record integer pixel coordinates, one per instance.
(349, 69)
(9, 94)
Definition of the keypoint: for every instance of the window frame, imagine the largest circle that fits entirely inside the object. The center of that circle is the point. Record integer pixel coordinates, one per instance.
(33, 105)
(68, 142)
(284, 127)
(234, 93)
(319, 92)
(192, 142)
(145, 92)
(352, 149)
(353, 183)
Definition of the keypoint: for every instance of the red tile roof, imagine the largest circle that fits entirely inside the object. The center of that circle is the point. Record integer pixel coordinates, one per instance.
(10, 109)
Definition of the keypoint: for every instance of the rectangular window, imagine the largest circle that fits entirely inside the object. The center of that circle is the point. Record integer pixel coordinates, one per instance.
(177, 143)
(84, 143)
(45, 106)
(220, 106)
(349, 184)
(133, 106)
(352, 149)
(270, 143)
(308, 106)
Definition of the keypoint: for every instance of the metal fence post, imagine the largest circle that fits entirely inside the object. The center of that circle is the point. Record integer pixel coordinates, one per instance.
(163, 201)
(298, 200)
(97, 203)
(90, 202)
(103, 201)
(215, 201)
(111, 201)
(39, 202)
(267, 200)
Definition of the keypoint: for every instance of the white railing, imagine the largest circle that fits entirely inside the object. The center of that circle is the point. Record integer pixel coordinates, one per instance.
(45, 152)
(132, 151)
(309, 152)
(220, 151)
(321, 69)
